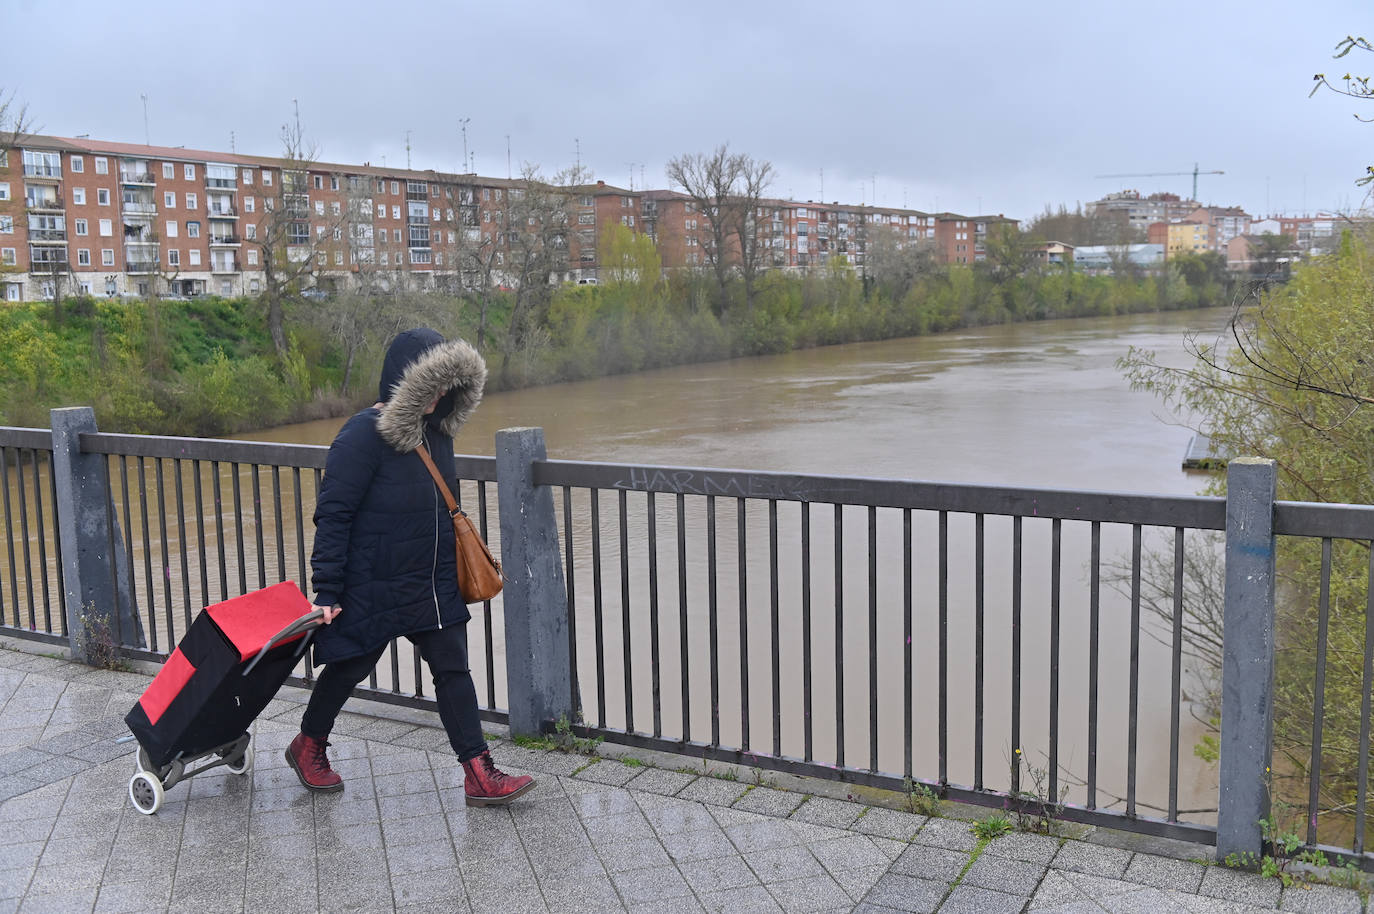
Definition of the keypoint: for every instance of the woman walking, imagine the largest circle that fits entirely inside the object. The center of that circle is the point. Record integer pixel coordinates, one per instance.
(383, 564)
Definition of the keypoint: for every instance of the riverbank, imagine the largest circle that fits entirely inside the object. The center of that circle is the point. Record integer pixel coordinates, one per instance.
(207, 367)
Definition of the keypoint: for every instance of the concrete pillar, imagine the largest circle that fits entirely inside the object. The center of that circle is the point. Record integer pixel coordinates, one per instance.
(1247, 679)
(535, 597)
(96, 595)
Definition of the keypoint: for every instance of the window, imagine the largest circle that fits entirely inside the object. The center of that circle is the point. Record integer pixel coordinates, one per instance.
(169, 171)
(436, 214)
(102, 165)
(266, 178)
(4, 190)
(78, 164)
(106, 228)
(83, 257)
(102, 195)
(169, 199)
(107, 257)
(498, 195)
(486, 193)
(298, 233)
(190, 201)
(81, 227)
(250, 204)
(248, 176)
(194, 256)
(334, 208)
(319, 182)
(333, 182)
(319, 207)
(7, 225)
(395, 187)
(173, 258)
(582, 218)
(338, 258)
(486, 216)
(338, 233)
(381, 210)
(193, 230)
(7, 256)
(385, 259)
(190, 172)
(253, 261)
(319, 231)
(381, 186)
(395, 211)
(171, 228)
(79, 196)
(250, 231)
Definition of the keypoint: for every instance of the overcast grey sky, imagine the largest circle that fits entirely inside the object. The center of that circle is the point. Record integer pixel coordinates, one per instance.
(992, 106)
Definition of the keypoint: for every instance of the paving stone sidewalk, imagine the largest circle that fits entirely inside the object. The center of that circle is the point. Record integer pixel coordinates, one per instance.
(595, 835)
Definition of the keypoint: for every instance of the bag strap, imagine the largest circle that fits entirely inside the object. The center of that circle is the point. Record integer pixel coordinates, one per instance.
(453, 508)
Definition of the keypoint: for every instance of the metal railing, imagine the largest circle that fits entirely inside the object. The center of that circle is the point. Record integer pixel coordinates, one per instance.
(1001, 646)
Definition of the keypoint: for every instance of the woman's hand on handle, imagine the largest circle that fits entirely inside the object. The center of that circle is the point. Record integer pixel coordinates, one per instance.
(330, 612)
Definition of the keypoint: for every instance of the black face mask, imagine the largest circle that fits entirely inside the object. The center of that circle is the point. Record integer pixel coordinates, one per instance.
(435, 420)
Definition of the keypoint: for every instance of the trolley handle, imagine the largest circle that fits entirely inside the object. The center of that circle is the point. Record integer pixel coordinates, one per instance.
(308, 622)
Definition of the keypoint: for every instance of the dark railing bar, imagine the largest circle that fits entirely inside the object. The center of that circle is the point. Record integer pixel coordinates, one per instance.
(597, 619)
(872, 639)
(277, 525)
(218, 493)
(571, 580)
(775, 647)
(1367, 685)
(625, 636)
(38, 439)
(299, 496)
(179, 489)
(1094, 655)
(200, 536)
(1056, 580)
(132, 566)
(1176, 675)
(908, 583)
(1133, 711)
(166, 575)
(256, 477)
(57, 551)
(42, 539)
(742, 563)
(1305, 518)
(1016, 747)
(417, 671)
(655, 661)
(839, 634)
(237, 488)
(9, 538)
(1190, 511)
(807, 732)
(24, 534)
(488, 619)
(979, 646)
(682, 617)
(943, 634)
(149, 589)
(1314, 771)
(713, 618)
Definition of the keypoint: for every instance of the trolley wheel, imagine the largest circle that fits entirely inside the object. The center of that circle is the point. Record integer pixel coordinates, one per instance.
(141, 760)
(145, 792)
(243, 764)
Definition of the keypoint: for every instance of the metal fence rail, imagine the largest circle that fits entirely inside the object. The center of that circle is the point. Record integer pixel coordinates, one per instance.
(1005, 646)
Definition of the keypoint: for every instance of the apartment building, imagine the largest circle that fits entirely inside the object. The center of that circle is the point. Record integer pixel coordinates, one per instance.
(122, 219)
(1141, 211)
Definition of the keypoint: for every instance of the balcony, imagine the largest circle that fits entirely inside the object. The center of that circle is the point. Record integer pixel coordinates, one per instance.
(140, 266)
(135, 177)
(140, 207)
(35, 170)
(47, 236)
(417, 195)
(220, 183)
(222, 211)
(45, 202)
(225, 240)
(227, 265)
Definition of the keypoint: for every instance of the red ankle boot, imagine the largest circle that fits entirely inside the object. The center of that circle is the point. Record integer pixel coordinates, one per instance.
(487, 785)
(306, 754)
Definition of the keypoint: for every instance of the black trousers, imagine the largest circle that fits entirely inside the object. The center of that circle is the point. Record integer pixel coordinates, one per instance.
(446, 652)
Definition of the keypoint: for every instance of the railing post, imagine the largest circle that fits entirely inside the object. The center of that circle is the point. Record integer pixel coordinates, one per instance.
(96, 597)
(535, 600)
(1247, 678)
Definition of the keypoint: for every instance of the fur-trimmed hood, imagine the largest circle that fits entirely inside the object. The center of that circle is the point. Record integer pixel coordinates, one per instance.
(421, 366)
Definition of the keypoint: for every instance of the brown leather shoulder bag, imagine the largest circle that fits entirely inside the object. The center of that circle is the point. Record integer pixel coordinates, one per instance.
(479, 573)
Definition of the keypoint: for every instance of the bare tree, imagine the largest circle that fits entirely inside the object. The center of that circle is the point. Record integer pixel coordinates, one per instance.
(1356, 87)
(711, 181)
(754, 177)
(15, 121)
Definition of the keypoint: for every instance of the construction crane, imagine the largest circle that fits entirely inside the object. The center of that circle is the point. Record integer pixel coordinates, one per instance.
(1168, 174)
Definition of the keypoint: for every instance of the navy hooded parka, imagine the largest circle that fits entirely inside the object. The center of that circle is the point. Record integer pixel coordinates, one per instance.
(383, 540)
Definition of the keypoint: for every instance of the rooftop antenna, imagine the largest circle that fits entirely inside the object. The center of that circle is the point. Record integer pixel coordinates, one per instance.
(463, 125)
(472, 162)
(632, 174)
(231, 142)
(822, 185)
(146, 141)
(407, 150)
(508, 172)
(577, 143)
(641, 176)
(297, 106)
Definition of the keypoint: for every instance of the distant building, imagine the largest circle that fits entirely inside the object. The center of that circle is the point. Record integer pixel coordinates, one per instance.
(1223, 223)
(1100, 257)
(1141, 211)
(1052, 253)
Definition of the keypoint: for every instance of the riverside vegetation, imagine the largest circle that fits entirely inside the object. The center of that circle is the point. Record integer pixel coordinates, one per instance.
(209, 367)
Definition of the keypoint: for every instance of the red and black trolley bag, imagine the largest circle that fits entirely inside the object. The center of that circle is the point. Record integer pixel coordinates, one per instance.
(215, 684)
